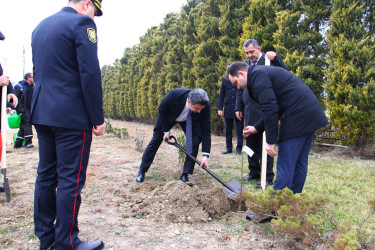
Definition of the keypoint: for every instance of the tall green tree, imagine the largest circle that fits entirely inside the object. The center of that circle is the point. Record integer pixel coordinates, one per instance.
(351, 70)
(299, 40)
(206, 54)
(260, 24)
(232, 17)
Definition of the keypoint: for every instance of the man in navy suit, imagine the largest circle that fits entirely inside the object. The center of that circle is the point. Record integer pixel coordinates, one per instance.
(66, 109)
(228, 91)
(252, 112)
(176, 107)
(286, 99)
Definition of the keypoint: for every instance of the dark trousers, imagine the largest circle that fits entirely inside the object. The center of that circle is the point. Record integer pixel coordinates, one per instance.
(292, 161)
(63, 159)
(25, 133)
(228, 133)
(254, 142)
(157, 139)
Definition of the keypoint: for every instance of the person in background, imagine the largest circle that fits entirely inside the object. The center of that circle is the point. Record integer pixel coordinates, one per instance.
(12, 100)
(291, 114)
(4, 81)
(228, 92)
(24, 92)
(177, 106)
(66, 109)
(251, 111)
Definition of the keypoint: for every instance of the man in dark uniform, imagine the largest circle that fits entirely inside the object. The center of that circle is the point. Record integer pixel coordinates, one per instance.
(284, 99)
(228, 91)
(183, 106)
(4, 81)
(24, 92)
(66, 109)
(252, 112)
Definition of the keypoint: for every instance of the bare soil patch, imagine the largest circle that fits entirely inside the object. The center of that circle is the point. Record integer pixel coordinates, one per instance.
(161, 213)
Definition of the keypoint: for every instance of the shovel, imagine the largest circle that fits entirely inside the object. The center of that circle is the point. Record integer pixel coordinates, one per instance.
(232, 189)
(3, 166)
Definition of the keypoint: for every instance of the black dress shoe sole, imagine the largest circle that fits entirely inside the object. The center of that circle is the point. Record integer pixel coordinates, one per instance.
(92, 245)
(259, 218)
(259, 185)
(246, 178)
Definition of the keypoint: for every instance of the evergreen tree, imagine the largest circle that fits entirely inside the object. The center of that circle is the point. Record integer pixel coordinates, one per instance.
(260, 24)
(300, 41)
(232, 15)
(206, 54)
(350, 73)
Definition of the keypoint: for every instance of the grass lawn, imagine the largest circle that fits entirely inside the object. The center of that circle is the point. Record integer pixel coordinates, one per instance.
(347, 186)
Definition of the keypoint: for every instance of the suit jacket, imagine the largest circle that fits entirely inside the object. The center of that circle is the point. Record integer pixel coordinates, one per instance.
(251, 110)
(228, 91)
(171, 107)
(67, 75)
(283, 96)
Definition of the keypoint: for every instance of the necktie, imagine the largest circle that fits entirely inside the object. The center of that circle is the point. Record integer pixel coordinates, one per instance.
(189, 134)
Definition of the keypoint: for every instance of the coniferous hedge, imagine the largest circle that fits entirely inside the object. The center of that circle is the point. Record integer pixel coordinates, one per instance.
(329, 44)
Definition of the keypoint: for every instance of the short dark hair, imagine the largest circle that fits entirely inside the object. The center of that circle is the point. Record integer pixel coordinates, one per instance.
(235, 67)
(251, 41)
(198, 96)
(27, 75)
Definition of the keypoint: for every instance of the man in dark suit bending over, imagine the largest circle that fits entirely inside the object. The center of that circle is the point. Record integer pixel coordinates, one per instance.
(284, 99)
(191, 109)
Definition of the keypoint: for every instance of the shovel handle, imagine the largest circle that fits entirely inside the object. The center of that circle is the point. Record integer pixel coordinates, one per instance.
(198, 162)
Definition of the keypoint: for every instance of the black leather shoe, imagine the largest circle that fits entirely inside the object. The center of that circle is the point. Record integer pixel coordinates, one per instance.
(1, 189)
(251, 216)
(184, 178)
(251, 176)
(228, 151)
(260, 218)
(140, 176)
(90, 245)
(30, 145)
(238, 151)
(268, 183)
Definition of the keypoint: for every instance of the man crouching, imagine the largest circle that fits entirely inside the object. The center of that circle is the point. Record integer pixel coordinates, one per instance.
(191, 109)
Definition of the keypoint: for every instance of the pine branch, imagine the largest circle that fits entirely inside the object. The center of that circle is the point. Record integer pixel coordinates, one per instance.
(330, 220)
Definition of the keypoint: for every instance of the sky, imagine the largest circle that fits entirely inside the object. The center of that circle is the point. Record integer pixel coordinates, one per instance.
(120, 27)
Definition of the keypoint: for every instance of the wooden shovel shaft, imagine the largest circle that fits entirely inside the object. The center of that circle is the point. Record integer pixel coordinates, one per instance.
(3, 125)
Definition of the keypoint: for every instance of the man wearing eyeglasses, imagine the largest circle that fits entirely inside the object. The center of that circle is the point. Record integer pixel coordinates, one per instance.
(66, 109)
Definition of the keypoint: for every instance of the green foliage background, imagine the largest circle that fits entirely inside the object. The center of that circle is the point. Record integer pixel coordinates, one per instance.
(329, 44)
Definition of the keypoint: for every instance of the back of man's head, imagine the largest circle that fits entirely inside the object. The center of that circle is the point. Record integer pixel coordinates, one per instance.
(235, 67)
(27, 75)
(198, 96)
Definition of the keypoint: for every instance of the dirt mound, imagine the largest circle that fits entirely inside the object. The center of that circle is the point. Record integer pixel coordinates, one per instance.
(176, 201)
